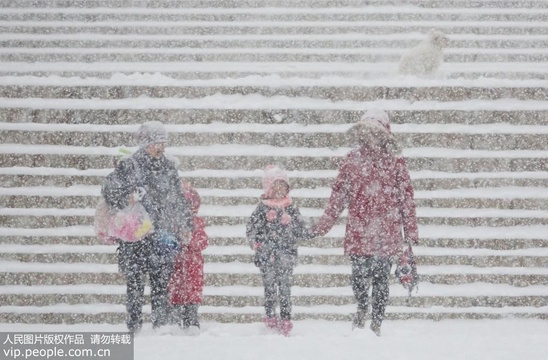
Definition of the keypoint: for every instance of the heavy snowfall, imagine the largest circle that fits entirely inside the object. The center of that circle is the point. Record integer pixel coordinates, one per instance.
(242, 87)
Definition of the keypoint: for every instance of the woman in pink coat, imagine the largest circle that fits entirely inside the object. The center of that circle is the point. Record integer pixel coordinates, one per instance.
(374, 183)
(187, 281)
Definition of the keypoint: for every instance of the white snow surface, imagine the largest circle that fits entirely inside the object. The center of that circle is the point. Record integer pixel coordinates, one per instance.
(507, 339)
(257, 101)
(268, 150)
(373, 9)
(220, 128)
(150, 76)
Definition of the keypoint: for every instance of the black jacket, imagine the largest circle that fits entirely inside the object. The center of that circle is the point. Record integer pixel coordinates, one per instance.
(168, 209)
(275, 239)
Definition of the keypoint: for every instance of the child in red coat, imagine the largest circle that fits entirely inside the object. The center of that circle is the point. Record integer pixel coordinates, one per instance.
(187, 281)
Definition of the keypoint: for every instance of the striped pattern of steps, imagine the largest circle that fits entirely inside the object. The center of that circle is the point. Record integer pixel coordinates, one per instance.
(241, 84)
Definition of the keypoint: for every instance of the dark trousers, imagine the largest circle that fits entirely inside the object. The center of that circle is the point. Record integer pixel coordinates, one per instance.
(187, 315)
(277, 281)
(367, 271)
(277, 274)
(135, 262)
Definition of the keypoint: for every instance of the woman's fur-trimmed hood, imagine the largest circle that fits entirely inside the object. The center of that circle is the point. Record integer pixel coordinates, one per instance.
(374, 124)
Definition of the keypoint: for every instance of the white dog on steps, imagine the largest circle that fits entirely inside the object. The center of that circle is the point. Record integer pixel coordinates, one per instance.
(425, 58)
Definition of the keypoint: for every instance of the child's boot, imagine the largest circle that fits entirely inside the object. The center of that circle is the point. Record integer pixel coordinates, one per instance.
(285, 327)
(192, 315)
(376, 327)
(358, 322)
(190, 320)
(271, 322)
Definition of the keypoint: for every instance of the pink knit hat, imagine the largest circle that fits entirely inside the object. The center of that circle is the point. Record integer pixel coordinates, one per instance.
(273, 173)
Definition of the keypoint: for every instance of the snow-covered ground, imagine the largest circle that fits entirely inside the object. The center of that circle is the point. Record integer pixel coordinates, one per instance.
(509, 339)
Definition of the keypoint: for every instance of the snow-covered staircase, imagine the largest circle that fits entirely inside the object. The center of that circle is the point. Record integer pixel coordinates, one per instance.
(242, 84)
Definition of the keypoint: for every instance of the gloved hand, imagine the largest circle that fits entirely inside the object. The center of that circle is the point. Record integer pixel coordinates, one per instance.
(309, 234)
(254, 246)
(137, 195)
(185, 237)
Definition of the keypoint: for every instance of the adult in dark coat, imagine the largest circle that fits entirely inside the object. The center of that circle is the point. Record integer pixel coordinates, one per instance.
(150, 177)
(374, 183)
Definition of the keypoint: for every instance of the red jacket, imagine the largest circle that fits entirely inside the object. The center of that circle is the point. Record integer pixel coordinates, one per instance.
(187, 281)
(376, 187)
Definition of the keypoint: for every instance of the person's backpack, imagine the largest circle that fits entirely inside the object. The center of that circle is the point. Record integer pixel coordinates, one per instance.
(406, 270)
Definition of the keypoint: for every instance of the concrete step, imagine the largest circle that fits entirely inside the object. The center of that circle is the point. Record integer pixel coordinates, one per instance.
(34, 111)
(312, 74)
(353, 14)
(258, 300)
(252, 55)
(213, 134)
(178, 4)
(306, 280)
(489, 163)
(338, 41)
(48, 317)
(532, 78)
(366, 71)
(338, 93)
(146, 28)
(52, 221)
(473, 242)
(246, 274)
(422, 260)
(486, 180)
(66, 201)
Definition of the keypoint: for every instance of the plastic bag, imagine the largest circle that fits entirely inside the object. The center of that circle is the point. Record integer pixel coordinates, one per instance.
(102, 222)
(131, 224)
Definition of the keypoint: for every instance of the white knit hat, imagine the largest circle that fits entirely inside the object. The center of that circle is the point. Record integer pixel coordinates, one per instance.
(374, 123)
(378, 118)
(152, 132)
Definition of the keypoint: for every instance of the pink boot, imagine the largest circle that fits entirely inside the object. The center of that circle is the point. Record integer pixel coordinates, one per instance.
(271, 322)
(285, 327)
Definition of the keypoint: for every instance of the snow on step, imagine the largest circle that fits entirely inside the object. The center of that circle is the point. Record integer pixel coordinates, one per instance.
(221, 128)
(246, 210)
(269, 23)
(425, 231)
(224, 51)
(319, 309)
(244, 250)
(370, 78)
(373, 9)
(261, 102)
(475, 193)
(244, 268)
(426, 290)
(411, 36)
(292, 174)
(268, 150)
